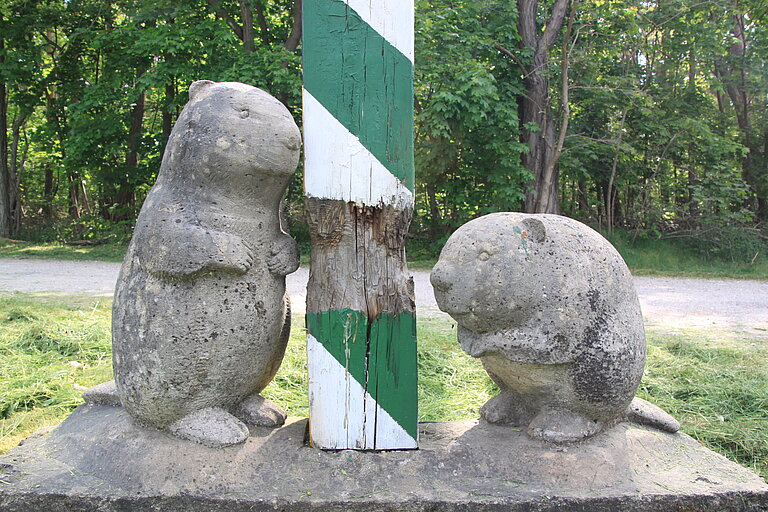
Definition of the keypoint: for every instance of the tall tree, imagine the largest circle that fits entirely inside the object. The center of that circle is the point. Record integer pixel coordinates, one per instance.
(5, 181)
(536, 114)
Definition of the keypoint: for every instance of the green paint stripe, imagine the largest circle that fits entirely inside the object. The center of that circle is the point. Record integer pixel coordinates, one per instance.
(363, 81)
(343, 333)
(391, 366)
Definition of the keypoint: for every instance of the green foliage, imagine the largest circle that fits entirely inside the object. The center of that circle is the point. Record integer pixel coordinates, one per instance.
(467, 148)
(651, 87)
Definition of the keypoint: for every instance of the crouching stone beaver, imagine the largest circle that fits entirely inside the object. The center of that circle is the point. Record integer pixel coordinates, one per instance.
(550, 308)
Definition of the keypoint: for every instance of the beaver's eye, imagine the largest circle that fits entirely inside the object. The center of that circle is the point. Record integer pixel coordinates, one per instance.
(244, 113)
(483, 256)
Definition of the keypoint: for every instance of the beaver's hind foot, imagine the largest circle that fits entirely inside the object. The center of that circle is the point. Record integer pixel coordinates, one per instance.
(563, 426)
(505, 409)
(212, 427)
(258, 411)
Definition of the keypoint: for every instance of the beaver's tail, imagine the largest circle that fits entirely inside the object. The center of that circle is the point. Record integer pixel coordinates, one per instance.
(644, 412)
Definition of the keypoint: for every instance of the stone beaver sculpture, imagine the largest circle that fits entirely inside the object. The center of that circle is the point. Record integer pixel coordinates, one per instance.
(550, 308)
(200, 318)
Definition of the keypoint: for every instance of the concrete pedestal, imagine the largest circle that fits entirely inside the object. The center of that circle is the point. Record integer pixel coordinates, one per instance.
(99, 459)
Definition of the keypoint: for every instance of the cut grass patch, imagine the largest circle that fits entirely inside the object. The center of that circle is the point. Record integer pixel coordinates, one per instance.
(718, 389)
(55, 251)
(49, 347)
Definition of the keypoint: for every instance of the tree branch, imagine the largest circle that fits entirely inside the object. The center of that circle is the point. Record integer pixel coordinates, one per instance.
(512, 56)
(224, 15)
(553, 26)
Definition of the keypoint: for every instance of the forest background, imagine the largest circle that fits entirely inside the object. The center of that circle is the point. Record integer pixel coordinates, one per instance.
(647, 119)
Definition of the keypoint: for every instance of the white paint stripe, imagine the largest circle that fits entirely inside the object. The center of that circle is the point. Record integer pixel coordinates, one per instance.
(389, 433)
(338, 166)
(336, 403)
(340, 409)
(392, 19)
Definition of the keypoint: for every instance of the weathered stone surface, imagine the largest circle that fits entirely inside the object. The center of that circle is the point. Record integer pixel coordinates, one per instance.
(98, 459)
(549, 307)
(200, 319)
(102, 394)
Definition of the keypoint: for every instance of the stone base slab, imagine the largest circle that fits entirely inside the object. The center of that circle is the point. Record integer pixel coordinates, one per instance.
(100, 460)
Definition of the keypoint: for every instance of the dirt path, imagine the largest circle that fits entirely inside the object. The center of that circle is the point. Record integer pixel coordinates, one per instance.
(737, 306)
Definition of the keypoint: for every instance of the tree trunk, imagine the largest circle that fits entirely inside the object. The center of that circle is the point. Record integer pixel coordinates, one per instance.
(261, 18)
(5, 182)
(125, 197)
(294, 38)
(434, 213)
(538, 130)
(170, 96)
(733, 73)
(15, 168)
(246, 17)
(48, 209)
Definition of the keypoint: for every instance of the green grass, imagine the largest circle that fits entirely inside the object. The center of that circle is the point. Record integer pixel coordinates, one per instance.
(50, 348)
(717, 386)
(56, 251)
(672, 258)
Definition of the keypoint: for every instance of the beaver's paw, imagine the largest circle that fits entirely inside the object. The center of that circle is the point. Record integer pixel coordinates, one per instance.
(283, 256)
(505, 409)
(232, 253)
(258, 411)
(562, 426)
(212, 426)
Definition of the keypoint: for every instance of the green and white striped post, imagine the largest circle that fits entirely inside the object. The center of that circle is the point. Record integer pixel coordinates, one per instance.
(359, 178)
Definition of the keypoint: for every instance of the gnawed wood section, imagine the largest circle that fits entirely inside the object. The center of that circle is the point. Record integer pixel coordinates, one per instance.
(358, 132)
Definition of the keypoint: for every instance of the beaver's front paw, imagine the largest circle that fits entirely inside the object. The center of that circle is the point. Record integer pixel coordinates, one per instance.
(232, 253)
(283, 256)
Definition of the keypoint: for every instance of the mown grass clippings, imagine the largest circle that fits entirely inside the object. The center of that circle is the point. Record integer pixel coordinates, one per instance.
(717, 390)
(51, 347)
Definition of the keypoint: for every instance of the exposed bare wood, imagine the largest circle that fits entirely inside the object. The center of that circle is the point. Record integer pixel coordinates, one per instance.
(358, 258)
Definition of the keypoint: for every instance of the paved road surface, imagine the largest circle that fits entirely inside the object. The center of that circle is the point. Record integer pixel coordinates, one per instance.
(666, 302)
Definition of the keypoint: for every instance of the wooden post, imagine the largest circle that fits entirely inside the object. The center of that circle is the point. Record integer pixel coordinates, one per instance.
(359, 178)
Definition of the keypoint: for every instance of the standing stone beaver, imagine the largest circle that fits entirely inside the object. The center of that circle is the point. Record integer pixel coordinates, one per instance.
(200, 318)
(550, 308)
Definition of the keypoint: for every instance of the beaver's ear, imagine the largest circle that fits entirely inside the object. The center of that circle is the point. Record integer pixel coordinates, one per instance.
(197, 87)
(536, 230)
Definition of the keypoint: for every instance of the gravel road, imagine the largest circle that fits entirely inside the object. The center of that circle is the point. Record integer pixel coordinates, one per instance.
(733, 305)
